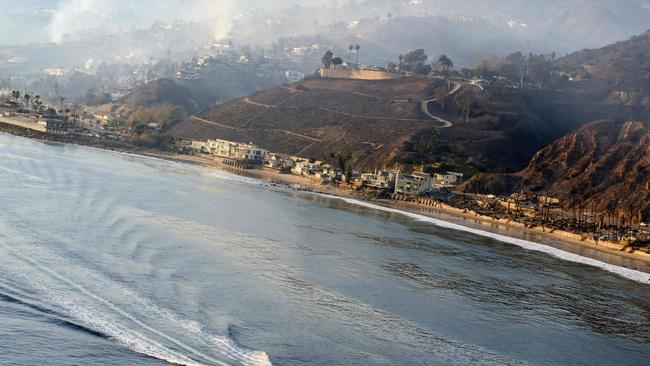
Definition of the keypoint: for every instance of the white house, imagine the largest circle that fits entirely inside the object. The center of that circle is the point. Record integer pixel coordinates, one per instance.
(379, 179)
(446, 180)
(412, 184)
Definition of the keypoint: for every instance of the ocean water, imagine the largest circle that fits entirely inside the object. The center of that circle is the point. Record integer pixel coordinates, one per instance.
(113, 259)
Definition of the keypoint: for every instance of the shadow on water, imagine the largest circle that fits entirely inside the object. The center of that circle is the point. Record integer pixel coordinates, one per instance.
(607, 312)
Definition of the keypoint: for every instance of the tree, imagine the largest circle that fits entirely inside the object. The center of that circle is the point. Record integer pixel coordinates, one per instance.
(16, 95)
(422, 69)
(415, 58)
(357, 48)
(350, 49)
(539, 69)
(465, 98)
(518, 66)
(445, 64)
(36, 102)
(344, 159)
(327, 59)
(337, 61)
(27, 98)
(401, 60)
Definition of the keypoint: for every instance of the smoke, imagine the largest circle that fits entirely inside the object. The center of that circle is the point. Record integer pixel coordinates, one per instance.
(80, 18)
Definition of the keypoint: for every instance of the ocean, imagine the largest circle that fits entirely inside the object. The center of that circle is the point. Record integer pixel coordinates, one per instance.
(116, 259)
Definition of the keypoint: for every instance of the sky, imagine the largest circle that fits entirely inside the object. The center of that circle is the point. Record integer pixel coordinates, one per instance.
(29, 21)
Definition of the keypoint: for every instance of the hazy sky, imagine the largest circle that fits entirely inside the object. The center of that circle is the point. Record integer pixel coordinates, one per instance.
(24, 21)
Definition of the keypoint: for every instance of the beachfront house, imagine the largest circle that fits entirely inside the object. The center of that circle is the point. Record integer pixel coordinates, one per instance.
(412, 184)
(278, 161)
(249, 152)
(55, 126)
(306, 168)
(379, 179)
(230, 150)
(446, 180)
(199, 147)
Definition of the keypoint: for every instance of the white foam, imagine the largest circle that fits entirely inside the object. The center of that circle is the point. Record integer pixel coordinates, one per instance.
(58, 292)
(628, 273)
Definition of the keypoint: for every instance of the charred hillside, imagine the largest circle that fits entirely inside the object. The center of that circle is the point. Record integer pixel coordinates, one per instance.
(604, 165)
(382, 123)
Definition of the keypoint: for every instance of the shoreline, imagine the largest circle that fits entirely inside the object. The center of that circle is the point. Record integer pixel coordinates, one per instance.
(441, 212)
(456, 215)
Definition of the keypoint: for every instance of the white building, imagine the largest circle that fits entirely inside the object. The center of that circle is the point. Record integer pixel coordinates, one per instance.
(379, 179)
(412, 184)
(446, 180)
(230, 150)
(293, 76)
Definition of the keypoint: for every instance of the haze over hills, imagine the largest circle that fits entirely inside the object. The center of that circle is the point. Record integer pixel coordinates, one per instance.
(496, 130)
(113, 29)
(624, 66)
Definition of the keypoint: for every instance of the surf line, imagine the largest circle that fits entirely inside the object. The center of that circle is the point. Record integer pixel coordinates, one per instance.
(628, 273)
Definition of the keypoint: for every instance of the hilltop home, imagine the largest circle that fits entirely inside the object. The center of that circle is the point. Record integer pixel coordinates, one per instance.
(412, 184)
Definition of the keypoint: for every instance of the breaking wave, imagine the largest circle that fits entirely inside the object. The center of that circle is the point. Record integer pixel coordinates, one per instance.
(85, 309)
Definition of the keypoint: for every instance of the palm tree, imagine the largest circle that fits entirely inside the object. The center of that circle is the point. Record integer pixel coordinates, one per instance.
(357, 48)
(446, 64)
(16, 95)
(36, 100)
(350, 49)
(27, 98)
(401, 62)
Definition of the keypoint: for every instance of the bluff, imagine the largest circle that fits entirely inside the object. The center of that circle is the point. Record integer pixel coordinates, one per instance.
(603, 166)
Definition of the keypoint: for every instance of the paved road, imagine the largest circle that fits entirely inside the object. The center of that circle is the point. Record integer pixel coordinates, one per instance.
(424, 106)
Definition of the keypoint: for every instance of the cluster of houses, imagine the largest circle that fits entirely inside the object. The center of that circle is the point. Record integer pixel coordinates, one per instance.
(36, 122)
(393, 181)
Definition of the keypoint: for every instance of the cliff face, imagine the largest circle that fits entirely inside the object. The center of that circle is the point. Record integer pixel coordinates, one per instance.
(605, 164)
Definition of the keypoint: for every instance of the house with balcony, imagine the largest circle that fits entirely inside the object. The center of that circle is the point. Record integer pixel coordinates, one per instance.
(446, 180)
(412, 184)
(380, 179)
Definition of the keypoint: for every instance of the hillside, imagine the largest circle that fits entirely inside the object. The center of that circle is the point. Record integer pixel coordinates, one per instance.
(158, 92)
(381, 123)
(603, 164)
(624, 67)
